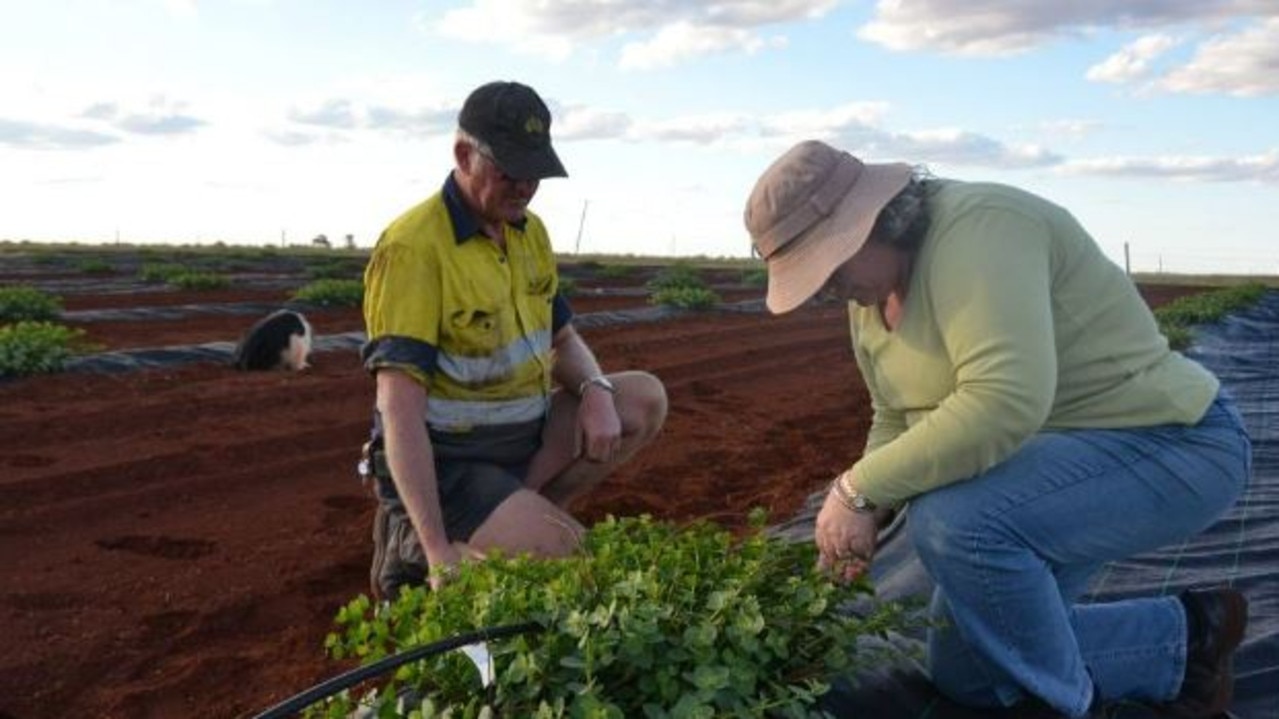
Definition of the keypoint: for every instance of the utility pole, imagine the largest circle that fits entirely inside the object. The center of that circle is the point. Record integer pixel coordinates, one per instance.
(1127, 262)
(577, 248)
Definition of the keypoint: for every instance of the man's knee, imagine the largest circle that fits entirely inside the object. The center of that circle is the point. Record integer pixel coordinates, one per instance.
(644, 403)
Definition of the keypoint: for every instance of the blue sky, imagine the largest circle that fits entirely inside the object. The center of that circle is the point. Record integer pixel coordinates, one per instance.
(256, 121)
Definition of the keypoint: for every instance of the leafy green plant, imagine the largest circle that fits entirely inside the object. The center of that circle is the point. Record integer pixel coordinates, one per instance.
(199, 281)
(676, 275)
(755, 277)
(648, 620)
(157, 272)
(568, 286)
(688, 298)
(1177, 317)
(23, 302)
(94, 266)
(30, 347)
(614, 272)
(332, 293)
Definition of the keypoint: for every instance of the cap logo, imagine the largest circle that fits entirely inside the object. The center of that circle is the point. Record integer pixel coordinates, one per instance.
(534, 126)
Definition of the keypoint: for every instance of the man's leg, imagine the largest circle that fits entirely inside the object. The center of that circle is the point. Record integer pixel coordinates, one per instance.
(561, 476)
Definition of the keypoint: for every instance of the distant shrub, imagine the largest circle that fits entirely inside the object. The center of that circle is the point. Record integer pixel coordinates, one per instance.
(1177, 317)
(333, 270)
(200, 281)
(22, 302)
(568, 286)
(332, 293)
(687, 298)
(94, 266)
(35, 347)
(755, 277)
(616, 271)
(157, 272)
(677, 275)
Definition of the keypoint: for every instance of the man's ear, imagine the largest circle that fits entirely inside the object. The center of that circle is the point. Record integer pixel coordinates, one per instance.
(463, 152)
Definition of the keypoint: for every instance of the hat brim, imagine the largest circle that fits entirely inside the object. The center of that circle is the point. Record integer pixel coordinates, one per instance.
(800, 270)
(530, 164)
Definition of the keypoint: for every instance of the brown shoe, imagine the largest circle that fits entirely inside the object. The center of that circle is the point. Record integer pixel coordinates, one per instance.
(1215, 621)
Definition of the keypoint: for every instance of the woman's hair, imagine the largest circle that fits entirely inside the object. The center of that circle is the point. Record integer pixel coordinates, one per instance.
(903, 222)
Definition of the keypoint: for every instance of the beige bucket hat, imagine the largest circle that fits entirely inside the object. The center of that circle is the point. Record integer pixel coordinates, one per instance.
(811, 211)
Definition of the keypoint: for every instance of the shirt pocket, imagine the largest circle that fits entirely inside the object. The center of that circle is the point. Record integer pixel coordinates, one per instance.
(476, 329)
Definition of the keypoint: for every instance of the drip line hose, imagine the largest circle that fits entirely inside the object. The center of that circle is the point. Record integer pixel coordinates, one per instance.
(292, 706)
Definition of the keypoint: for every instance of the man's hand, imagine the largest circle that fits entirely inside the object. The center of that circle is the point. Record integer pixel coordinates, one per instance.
(845, 539)
(599, 428)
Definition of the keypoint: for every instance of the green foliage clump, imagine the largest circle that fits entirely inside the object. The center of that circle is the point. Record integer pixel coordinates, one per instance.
(676, 275)
(614, 272)
(199, 281)
(648, 620)
(23, 302)
(157, 272)
(94, 266)
(1177, 317)
(332, 293)
(686, 298)
(36, 347)
(755, 277)
(568, 286)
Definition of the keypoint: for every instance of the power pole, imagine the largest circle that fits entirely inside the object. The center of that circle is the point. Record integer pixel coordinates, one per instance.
(1127, 263)
(577, 248)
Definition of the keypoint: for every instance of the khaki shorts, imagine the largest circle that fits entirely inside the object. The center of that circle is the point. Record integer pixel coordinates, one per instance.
(475, 472)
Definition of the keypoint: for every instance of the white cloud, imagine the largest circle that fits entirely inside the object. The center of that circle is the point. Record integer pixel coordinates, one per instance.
(585, 123)
(669, 31)
(681, 41)
(699, 129)
(1256, 168)
(1133, 61)
(1243, 64)
(998, 27)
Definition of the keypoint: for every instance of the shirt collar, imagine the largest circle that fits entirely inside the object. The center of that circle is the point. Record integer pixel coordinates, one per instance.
(465, 225)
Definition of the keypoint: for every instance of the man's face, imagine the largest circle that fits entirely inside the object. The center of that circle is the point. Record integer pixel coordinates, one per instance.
(496, 197)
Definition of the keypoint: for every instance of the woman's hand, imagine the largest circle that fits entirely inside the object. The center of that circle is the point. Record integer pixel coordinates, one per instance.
(845, 539)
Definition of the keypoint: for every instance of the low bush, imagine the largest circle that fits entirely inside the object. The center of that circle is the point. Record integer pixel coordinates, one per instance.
(23, 302)
(614, 272)
(648, 620)
(676, 275)
(686, 298)
(755, 277)
(199, 281)
(94, 266)
(36, 347)
(332, 293)
(1177, 317)
(568, 286)
(157, 272)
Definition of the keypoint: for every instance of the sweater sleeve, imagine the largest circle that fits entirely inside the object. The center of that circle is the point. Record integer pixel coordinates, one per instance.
(988, 287)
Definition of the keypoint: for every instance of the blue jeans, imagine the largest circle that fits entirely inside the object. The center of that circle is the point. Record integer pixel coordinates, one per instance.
(1012, 549)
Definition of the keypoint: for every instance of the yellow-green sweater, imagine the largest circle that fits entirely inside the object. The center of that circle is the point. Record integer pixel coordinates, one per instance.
(1014, 322)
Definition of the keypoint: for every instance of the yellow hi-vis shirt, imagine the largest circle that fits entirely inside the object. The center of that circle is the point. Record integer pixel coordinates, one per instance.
(471, 323)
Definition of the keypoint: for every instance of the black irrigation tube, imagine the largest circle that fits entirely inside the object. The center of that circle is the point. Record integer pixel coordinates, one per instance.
(292, 706)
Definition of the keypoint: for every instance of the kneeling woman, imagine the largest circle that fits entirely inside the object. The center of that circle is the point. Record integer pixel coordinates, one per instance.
(1033, 416)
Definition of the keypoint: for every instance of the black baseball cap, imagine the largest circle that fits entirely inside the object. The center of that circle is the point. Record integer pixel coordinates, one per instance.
(516, 125)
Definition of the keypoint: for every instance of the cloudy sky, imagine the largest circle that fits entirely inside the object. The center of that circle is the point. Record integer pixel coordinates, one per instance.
(260, 121)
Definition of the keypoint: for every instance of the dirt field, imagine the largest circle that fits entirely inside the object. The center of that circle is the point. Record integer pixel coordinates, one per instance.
(174, 543)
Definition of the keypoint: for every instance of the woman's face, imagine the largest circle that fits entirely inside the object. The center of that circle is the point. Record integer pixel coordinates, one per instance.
(869, 276)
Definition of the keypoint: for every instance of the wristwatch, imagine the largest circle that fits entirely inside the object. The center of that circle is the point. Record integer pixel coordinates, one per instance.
(598, 380)
(850, 497)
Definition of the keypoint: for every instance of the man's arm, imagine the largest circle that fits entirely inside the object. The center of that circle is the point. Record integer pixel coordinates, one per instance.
(598, 425)
(402, 404)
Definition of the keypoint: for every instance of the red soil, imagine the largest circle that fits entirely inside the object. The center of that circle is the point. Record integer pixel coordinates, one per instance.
(175, 543)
